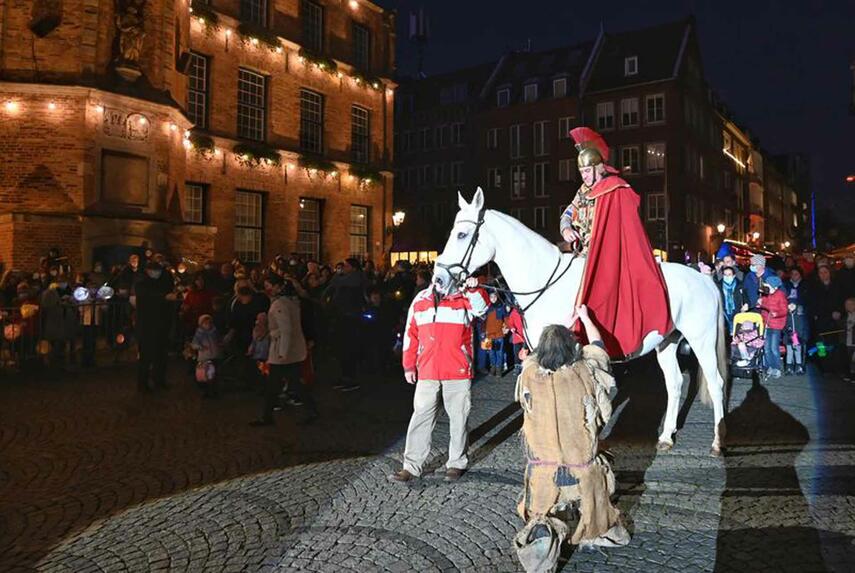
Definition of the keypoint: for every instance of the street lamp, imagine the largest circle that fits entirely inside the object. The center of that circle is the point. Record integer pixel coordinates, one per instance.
(755, 235)
(398, 218)
(721, 228)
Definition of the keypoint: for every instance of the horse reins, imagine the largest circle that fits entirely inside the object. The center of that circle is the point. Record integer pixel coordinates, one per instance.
(464, 274)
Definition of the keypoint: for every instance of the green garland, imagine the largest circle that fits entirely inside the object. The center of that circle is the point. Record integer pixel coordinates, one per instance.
(369, 81)
(202, 144)
(211, 18)
(365, 174)
(252, 154)
(249, 32)
(308, 162)
(324, 63)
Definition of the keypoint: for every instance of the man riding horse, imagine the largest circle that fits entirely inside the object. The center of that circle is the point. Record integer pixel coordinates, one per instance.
(623, 285)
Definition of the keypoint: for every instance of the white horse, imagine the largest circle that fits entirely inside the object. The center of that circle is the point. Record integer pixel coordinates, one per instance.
(529, 262)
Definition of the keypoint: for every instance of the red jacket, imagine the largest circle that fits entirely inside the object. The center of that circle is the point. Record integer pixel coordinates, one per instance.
(774, 309)
(438, 337)
(515, 324)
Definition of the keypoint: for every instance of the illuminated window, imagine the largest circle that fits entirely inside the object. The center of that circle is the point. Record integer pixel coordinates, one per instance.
(358, 231)
(655, 157)
(309, 228)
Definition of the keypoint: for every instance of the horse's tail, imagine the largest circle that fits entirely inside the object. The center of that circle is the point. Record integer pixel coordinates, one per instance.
(721, 359)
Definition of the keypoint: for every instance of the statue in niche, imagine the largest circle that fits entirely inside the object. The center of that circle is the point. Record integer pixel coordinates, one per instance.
(131, 29)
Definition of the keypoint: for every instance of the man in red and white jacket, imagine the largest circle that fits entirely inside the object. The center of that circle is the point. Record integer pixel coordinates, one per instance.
(437, 357)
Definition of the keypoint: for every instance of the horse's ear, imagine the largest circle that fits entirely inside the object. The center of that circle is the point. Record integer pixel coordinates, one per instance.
(478, 200)
(461, 202)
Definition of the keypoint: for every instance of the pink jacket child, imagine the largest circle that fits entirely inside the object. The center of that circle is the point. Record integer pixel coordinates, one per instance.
(747, 340)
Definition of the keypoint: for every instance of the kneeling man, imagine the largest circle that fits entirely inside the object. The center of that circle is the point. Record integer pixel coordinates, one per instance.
(437, 358)
(564, 394)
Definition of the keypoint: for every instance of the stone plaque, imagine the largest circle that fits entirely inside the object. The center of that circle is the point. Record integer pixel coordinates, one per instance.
(132, 126)
(124, 178)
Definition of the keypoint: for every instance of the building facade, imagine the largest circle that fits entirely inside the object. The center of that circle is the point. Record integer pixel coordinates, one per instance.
(205, 130)
(698, 174)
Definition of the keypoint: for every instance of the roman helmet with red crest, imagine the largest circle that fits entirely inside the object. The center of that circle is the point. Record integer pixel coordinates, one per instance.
(592, 148)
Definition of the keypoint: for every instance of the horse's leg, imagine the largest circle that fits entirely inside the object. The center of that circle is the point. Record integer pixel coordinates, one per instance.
(666, 354)
(707, 353)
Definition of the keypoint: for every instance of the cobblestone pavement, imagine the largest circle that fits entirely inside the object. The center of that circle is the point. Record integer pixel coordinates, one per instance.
(94, 478)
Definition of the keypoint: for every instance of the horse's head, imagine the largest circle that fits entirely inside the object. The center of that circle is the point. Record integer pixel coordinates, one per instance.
(468, 247)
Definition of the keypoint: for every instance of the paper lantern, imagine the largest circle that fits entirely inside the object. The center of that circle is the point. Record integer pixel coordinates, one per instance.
(12, 331)
(105, 292)
(29, 310)
(81, 294)
(205, 371)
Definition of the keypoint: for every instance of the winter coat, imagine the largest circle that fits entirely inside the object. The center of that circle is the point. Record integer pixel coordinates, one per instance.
(494, 321)
(740, 297)
(346, 293)
(752, 285)
(438, 336)
(774, 309)
(196, 303)
(823, 301)
(154, 313)
(59, 317)
(515, 324)
(287, 344)
(207, 344)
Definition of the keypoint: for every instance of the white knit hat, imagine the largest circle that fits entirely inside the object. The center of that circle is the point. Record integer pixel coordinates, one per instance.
(758, 260)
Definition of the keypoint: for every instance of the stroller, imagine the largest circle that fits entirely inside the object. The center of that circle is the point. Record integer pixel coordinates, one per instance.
(746, 347)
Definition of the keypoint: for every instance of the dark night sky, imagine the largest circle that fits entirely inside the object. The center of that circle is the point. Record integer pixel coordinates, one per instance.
(782, 67)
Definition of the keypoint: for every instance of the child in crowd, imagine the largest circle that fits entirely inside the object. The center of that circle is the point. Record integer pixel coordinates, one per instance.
(773, 305)
(849, 326)
(495, 330)
(259, 348)
(746, 341)
(209, 351)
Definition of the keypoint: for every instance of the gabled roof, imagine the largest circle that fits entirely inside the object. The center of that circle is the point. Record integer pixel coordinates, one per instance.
(427, 91)
(659, 50)
(521, 68)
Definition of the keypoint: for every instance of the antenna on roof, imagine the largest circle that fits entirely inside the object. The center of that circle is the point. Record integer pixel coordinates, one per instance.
(420, 34)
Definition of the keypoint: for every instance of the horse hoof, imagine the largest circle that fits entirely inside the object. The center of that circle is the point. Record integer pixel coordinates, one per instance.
(664, 446)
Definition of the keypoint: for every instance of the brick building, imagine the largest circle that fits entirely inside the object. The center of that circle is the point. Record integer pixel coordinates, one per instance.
(221, 128)
(646, 92)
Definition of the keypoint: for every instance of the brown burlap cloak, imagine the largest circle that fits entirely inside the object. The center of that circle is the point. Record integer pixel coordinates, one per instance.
(564, 412)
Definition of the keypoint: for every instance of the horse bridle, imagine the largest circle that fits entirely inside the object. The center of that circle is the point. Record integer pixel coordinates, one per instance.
(461, 277)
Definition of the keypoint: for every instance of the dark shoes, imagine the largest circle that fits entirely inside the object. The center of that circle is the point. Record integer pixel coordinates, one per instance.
(401, 476)
(261, 422)
(453, 474)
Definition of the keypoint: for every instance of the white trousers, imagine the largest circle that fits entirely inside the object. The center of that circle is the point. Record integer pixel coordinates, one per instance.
(457, 398)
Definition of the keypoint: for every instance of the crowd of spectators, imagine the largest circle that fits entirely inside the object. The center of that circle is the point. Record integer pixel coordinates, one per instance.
(217, 314)
(807, 304)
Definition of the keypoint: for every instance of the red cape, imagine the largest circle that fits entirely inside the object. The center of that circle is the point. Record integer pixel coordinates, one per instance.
(623, 285)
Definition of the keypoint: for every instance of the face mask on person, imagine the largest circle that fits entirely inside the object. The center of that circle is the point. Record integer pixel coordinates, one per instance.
(154, 274)
(752, 268)
(729, 279)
